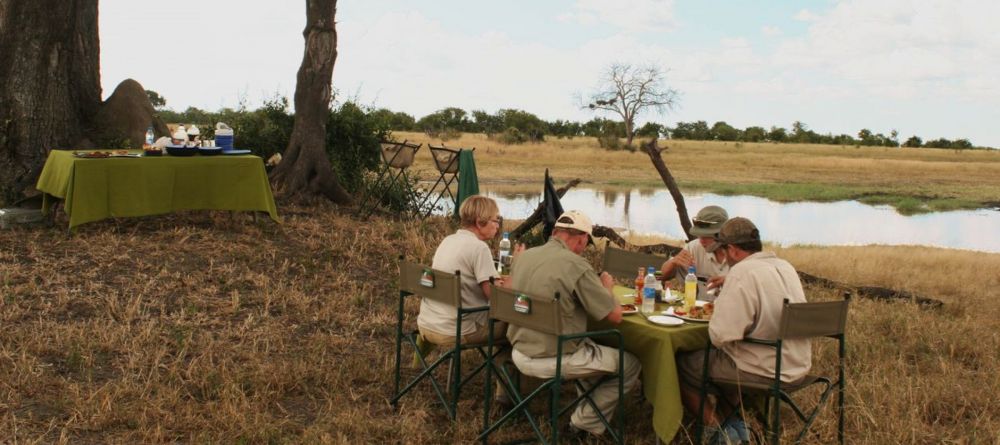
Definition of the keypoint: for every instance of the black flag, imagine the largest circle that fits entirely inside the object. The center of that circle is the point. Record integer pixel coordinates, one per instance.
(553, 209)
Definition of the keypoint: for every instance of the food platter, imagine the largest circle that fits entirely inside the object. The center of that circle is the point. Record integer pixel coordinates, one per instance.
(629, 308)
(91, 154)
(702, 313)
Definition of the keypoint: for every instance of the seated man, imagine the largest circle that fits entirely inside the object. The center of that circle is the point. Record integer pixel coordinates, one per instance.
(555, 267)
(750, 305)
(702, 252)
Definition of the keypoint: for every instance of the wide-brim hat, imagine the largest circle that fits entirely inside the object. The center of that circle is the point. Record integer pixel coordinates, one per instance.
(708, 221)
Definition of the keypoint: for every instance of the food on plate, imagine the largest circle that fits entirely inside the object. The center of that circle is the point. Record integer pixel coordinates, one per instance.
(91, 154)
(628, 307)
(120, 152)
(701, 313)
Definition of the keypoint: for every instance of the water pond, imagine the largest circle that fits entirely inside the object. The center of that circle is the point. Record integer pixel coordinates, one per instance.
(835, 223)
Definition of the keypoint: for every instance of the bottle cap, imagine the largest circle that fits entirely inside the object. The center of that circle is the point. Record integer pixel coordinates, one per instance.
(691, 269)
(505, 234)
(650, 269)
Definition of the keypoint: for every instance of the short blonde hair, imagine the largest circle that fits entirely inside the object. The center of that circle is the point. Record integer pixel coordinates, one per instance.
(477, 209)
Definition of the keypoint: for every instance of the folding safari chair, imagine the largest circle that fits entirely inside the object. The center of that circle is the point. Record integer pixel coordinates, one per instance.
(826, 319)
(623, 264)
(397, 157)
(543, 314)
(446, 162)
(416, 279)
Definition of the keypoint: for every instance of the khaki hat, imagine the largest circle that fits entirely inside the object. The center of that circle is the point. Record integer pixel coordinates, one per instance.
(575, 219)
(738, 230)
(708, 221)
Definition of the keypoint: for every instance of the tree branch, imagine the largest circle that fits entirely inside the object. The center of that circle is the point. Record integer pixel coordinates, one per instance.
(536, 216)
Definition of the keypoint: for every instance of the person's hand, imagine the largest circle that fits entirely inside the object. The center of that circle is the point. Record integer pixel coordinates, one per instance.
(607, 280)
(683, 259)
(715, 282)
(503, 281)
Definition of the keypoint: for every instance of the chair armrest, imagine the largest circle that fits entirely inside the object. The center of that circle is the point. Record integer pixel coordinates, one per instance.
(760, 342)
(589, 334)
(472, 310)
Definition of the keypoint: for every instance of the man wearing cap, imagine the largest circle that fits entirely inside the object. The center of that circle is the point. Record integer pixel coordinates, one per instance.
(709, 262)
(557, 267)
(750, 305)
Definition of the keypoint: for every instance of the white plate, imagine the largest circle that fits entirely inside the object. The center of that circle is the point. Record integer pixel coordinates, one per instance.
(663, 320)
(629, 311)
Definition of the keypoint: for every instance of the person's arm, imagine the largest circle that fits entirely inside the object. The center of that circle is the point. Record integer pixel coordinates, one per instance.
(615, 317)
(683, 260)
(486, 288)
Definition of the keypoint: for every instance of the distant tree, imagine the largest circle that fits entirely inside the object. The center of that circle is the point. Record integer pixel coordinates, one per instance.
(394, 120)
(961, 144)
(695, 131)
(561, 128)
(628, 91)
(913, 141)
(449, 119)
(894, 138)
(938, 143)
(528, 124)
(754, 134)
(155, 99)
(724, 132)
(487, 123)
(598, 127)
(866, 137)
(777, 134)
(651, 130)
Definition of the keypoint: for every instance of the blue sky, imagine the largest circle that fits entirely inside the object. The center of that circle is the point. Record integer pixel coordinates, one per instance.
(930, 68)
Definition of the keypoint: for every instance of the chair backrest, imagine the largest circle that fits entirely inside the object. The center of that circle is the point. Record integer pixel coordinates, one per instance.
(445, 159)
(623, 264)
(446, 286)
(821, 319)
(541, 313)
(399, 154)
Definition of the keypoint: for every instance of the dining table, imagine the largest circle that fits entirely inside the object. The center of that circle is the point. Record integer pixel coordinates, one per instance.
(132, 184)
(655, 346)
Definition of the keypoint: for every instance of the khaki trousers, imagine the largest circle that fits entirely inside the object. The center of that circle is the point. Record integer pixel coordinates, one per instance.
(586, 361)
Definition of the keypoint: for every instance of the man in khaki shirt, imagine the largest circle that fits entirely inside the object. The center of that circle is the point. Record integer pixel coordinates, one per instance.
(557, 267)
(749, 305)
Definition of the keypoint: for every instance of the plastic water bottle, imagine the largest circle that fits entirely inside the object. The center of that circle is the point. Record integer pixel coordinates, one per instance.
(504, 253)
(150, 136)
(690, 289)
(649, 291)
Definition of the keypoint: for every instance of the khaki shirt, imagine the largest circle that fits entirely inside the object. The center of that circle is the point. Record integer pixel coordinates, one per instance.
(750, 305)
(552, 268)
(464, 252)
(705, 265)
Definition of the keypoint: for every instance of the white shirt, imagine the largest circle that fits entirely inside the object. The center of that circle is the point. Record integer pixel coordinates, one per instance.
(750, 305)
(464, 252)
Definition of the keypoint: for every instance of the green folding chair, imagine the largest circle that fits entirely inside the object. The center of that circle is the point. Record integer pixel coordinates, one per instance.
(623, 264)
(826, 319)
(543, 314)
(425, 282)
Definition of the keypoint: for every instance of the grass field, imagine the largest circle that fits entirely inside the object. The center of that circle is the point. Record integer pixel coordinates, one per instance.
(912, 180)
(208, 328)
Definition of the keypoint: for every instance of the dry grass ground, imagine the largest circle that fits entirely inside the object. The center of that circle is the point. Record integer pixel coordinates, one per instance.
(205, 328)
(911, 179)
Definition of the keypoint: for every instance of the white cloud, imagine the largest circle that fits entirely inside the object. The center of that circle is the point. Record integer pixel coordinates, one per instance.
(771, 31)
(641, 15)
(902, 48)
(806, 15)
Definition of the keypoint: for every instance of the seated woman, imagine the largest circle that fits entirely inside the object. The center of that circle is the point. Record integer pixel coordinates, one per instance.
(467, 252)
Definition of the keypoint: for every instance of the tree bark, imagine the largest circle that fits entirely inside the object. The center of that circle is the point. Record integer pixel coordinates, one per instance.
(50, 85)
(305, 168)
(668, 179)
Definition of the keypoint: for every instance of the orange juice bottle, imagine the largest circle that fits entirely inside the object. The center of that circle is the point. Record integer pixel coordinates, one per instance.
(640, 279)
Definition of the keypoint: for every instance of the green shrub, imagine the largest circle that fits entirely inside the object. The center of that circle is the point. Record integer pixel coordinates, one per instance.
(610, 142)
(352, 142)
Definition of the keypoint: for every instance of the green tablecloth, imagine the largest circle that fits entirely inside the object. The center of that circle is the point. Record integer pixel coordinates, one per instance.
(94, 189)
(655, 347)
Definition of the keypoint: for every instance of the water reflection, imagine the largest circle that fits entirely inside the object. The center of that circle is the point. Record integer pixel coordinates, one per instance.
(837, 223)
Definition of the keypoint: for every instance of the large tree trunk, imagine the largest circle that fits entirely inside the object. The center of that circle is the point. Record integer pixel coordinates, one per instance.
(668, 179)
(305, 167)
(49, 84)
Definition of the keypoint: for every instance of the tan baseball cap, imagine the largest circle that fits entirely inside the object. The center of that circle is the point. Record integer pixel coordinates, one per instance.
(575, 219)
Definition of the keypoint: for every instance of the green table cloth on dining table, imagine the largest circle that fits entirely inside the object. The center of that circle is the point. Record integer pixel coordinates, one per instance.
(655, 347)
(94, 189)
